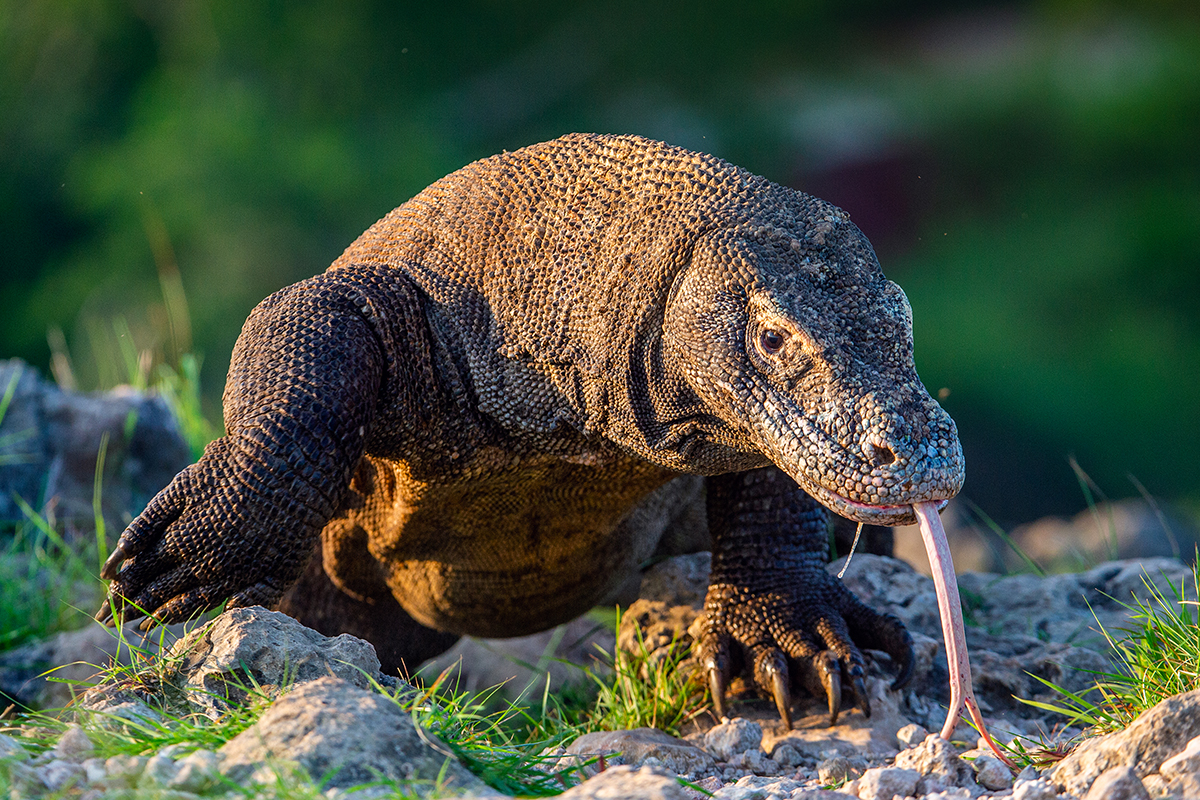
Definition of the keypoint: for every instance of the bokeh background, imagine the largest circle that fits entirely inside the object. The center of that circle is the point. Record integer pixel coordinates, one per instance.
(1029, 173)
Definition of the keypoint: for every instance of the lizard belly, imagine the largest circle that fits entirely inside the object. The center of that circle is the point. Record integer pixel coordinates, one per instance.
(517, 549)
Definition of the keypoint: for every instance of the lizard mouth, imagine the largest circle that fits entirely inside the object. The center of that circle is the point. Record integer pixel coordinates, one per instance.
(890, 514)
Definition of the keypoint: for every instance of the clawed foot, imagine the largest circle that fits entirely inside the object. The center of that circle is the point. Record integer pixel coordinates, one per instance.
(808, 638)
(205, 539)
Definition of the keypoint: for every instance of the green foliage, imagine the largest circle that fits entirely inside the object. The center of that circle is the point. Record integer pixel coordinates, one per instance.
(648, 690)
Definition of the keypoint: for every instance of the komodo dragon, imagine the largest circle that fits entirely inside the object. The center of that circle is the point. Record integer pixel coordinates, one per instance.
(482, 417)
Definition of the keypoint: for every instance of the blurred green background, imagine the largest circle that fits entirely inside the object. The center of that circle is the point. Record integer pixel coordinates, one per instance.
(1029, 172)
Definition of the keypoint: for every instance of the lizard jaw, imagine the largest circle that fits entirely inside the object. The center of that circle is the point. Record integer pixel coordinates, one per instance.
(890, 514)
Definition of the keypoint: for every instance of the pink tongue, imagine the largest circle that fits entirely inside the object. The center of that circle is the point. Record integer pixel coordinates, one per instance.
(961, 693)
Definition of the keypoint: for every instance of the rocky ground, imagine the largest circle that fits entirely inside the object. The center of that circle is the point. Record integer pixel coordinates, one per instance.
(335, 723)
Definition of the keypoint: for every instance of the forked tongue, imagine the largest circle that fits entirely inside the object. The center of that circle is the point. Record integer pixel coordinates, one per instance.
(961, 693)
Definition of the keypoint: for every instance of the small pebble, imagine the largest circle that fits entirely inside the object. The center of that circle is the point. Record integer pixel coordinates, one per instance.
(94, 769)
(787, 756)
(833, 771)
(159, 771)
(196, 772)
(124, 771)
(911, 735)
(60, 775)
(74, 745)
(991, 773)
(1039, 789)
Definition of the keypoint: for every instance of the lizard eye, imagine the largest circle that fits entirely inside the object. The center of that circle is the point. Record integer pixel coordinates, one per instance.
(771, 341)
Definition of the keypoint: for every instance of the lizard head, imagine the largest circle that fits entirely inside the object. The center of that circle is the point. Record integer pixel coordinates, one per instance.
(791, 335)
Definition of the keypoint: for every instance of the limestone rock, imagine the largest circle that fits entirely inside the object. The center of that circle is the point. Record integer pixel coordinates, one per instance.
(884, 783)
(1187, 761)
(754, 787)
(937, 764)
(629, 783)
(731, 738)
(1153, 738)
(332, 727)
(854, 735)
(991, 773)
(74, 745)
(1118, 783)
(49, 439)
(253, 646)
(911, 735)
(1038, 789)
(639, 744)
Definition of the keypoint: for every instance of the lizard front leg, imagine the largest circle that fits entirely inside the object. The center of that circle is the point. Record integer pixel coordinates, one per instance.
(240, 524)
(773, 607)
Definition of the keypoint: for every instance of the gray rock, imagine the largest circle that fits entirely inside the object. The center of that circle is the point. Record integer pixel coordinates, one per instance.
(12, 749)
(253, 646)
(730, 738)
(991, 773)
(884, 783)
(1183, 763)
(1154, 737)
(58, 776)
(111, 702)
(640, 744)
(1118, 783)
(197, 772)
(787, 756)
(333, 728)
(834, 770)
(74, 745)
(938, 765)
(1019, 626)
(23, 780)
(754, 787)
(159, 771)
(124, 771)
(629, 783)
(1185, 786)
(911, 735)
(94, 770)
(1039, 789)
(50, 437)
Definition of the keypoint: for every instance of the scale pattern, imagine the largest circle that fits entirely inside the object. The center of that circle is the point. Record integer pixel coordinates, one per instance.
(483, 417)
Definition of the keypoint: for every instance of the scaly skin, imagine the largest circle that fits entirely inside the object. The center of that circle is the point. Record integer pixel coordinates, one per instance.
(487, 410)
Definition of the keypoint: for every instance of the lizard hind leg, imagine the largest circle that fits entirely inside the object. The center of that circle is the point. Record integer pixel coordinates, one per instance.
(401, 642)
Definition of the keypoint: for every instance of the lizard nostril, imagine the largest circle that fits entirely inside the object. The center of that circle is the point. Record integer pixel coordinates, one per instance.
(882, 454)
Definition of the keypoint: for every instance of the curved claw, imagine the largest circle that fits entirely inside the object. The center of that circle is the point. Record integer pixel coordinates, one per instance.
(716, 685)
(831, 679)
(781, 693)
(860, 694)
(113, 563)
(105, 615)
(906, 672)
